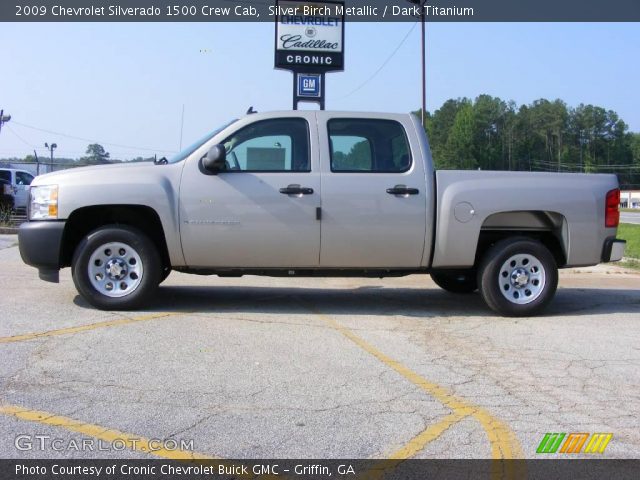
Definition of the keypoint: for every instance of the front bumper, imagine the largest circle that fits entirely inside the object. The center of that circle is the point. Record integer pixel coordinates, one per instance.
(41, 247)
(613, 250)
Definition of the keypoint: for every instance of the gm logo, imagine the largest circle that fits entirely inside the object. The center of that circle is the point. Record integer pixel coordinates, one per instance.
(308, 85)
(574, 442)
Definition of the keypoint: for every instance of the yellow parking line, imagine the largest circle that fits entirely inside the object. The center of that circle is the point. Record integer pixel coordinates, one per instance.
(132, 442)
(84, 328)
(431, 433)
(504, 444)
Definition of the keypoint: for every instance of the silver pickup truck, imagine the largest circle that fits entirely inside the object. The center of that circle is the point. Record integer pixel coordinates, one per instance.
(318, 193)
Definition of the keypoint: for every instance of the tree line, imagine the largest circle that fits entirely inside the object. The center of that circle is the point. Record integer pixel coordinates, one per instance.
(489, 133)
(94, 155)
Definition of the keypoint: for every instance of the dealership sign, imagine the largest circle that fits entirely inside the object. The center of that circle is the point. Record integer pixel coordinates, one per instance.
(309, 36)
(309, 85)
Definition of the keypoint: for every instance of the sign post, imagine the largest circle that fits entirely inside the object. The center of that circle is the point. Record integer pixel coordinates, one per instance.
(308, 87)
(309, 42)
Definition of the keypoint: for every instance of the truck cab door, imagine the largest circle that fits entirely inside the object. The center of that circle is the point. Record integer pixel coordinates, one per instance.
(374, 198)
(260, 212)
(22, 182)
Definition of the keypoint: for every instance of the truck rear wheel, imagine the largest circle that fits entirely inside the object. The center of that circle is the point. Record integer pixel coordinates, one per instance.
(456, 281)
(116, 268)
(518, 277)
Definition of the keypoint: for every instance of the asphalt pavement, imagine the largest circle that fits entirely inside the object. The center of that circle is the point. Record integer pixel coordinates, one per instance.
(314, 368)
(630, 217)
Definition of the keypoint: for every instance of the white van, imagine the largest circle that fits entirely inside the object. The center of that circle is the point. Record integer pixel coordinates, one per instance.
(19, 181)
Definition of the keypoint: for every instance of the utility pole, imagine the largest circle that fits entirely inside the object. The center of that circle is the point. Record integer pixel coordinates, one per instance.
(51, 148)
(3, 118)
(37, 162)
(422, 4)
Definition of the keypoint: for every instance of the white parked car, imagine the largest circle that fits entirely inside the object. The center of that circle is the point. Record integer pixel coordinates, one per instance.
(19, 180)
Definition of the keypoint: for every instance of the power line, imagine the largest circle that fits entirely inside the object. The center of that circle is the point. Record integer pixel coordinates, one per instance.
(61, 152)
(384, 64)
(19, 137)
(552, 165)
(130, 147)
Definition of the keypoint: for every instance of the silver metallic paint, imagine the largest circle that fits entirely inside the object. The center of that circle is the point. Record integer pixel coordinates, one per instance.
(241, 220)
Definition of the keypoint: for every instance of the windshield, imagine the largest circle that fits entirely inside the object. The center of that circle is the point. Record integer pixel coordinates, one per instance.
(178, 157)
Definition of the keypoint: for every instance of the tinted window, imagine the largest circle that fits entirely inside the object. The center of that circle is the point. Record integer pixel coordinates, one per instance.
(279, 145)
(364, 145)
(350, 153)
(23, 178)
(5, 175)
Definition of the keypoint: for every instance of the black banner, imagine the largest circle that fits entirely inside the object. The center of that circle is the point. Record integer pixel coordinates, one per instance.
(153, 469)
(309, 61)
(354, 11)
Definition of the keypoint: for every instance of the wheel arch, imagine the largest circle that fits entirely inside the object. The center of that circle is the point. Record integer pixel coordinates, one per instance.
(86, 219)
(548, 227)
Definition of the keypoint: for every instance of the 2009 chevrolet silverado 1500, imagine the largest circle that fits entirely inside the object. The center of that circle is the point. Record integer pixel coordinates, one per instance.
(318, 193)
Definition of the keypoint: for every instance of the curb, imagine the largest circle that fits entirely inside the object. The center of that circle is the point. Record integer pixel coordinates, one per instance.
(8, 230)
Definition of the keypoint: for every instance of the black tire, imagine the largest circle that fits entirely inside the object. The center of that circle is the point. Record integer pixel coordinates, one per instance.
(502, 284)
(147, 262)
(456, 281)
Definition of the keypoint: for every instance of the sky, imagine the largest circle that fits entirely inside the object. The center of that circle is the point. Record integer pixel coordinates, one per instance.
(124, 85)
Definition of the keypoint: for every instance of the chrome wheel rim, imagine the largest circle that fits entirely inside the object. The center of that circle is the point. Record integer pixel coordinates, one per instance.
(115, 269)
(521, 279)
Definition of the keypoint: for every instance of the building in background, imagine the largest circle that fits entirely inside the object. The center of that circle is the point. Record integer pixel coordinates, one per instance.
(630, 199)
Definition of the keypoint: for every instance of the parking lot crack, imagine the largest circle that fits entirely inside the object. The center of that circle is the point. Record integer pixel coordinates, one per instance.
(191, 427)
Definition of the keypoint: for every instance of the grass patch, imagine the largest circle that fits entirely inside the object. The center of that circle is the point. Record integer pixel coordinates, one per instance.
(630, 233)
(633, 264)
(5, 216)
(630, 210)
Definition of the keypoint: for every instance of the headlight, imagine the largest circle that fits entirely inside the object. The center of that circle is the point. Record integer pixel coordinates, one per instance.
(43, 203)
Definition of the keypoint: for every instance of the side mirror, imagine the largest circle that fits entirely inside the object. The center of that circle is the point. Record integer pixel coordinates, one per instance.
(215, 159)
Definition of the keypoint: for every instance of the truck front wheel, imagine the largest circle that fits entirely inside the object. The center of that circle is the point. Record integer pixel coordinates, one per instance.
(116, 268)
(518, 277)
(456, 281)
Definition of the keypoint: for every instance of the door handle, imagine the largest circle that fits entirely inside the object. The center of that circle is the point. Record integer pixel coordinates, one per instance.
(402, 190)
(296, 190)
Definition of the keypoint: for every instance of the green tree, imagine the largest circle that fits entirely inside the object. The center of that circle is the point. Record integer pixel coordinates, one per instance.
(509, 135)
(490, 114)
(547, 122)
(545, 135)
(96, 154)
(634, 145)
(460, 146)
(439, 127)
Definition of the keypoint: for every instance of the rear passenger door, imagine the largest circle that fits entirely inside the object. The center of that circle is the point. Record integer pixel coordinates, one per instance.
(373, 192)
